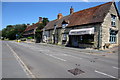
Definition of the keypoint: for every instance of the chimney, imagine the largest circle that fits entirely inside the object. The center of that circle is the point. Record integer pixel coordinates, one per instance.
(40, 19)
(32, 23)
(71, 10)
(28, 25)
(59, 16)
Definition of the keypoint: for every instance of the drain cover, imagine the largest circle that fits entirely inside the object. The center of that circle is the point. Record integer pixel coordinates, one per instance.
(76, 71)
(103, 55)
(92, 61)
(95, 58)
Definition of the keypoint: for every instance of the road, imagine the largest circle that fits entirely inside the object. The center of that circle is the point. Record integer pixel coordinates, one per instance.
(29, 60)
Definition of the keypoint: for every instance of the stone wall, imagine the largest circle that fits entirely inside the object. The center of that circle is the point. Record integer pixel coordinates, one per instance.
(59, 36)
(106, 25)
(50, 37)
(119, 32)
(60, 31)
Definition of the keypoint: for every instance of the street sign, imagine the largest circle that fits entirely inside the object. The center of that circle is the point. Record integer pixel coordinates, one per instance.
(17, 35)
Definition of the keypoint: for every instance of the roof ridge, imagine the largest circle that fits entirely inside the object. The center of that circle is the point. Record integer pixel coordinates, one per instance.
(77, 18)
(93, 7)
(83, 10)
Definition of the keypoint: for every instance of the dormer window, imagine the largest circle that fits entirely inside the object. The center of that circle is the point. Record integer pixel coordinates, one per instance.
(64, 24)
(113, 20)
(55, 26)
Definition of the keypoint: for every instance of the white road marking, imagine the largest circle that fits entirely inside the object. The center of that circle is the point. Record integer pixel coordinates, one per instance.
(55, 57)
(60, 55)
(22, 64)
(67, 55)
(45, 53)
(64, 55)
(104, 74)
(115, 67)
(74, 56)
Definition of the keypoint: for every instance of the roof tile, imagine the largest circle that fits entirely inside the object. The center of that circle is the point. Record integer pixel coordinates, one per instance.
(86, 16)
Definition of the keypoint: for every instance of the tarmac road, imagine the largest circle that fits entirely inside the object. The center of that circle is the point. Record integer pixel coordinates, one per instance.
(46, 61)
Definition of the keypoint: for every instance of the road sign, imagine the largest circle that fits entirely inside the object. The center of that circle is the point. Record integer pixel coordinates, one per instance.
(17, 35)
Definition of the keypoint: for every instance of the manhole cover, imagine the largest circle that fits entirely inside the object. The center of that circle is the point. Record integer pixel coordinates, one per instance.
(95, 58)
(103, 55)
(76, 71)
(92, 61)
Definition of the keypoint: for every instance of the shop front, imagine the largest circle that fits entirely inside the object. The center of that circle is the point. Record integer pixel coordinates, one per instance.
(83, 38)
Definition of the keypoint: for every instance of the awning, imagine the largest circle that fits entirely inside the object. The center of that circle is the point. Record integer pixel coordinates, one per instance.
(82, 31)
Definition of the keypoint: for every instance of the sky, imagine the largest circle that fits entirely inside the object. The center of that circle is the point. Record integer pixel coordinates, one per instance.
(29, 12)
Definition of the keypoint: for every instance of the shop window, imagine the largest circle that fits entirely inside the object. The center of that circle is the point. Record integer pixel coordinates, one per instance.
(112, 36)
(86, 39)
(113, 20)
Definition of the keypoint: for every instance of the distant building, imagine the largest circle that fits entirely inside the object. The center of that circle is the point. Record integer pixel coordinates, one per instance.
(30, 30)
(95, 27)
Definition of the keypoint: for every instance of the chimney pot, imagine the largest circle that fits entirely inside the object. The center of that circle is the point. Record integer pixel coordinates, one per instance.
(71, 10)
(28, 24)
(40, 19)
(59, 16)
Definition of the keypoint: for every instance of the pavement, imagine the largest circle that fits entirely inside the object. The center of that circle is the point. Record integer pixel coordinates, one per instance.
(52, 61)
(112, 52)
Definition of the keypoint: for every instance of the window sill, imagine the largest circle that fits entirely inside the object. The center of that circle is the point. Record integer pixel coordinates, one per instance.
(113, 26)
(112, 42)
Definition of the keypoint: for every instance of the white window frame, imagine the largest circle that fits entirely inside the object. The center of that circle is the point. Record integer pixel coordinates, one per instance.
(113, 20)
(113, 37)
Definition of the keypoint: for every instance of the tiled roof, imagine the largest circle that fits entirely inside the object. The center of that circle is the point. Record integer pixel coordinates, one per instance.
(86, 16)
(32, 26)
(30, 33)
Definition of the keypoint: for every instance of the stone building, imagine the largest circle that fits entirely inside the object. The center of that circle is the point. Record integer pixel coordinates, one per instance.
(30, 30)
(95, 27)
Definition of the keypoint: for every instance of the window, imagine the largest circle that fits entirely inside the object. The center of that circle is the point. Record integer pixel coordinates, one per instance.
(113, 23)
(47, 33)
(64, 25)
(64, 36)
(112, 36)
(113, 20)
